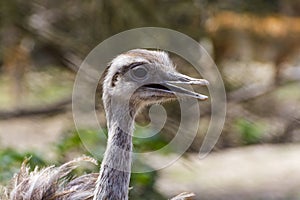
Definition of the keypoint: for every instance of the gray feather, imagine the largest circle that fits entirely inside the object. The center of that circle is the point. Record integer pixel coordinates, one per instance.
(50, 183)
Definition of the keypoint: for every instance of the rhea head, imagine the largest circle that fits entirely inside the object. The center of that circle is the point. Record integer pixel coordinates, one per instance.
(141, 77)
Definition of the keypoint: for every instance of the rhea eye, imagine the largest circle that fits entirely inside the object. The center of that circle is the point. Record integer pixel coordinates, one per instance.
(139, 73)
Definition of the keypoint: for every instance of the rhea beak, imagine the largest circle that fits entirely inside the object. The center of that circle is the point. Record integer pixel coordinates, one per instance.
(171, 86)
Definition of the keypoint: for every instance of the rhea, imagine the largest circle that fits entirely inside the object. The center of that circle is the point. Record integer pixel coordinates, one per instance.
(132, 80)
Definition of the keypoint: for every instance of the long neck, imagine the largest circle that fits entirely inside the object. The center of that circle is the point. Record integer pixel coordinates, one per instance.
(113, 181)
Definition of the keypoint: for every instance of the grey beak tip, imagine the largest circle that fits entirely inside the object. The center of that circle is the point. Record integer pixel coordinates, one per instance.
(205, 82)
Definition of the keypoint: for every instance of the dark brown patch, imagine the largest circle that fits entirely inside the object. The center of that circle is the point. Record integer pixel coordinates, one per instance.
(114, 79)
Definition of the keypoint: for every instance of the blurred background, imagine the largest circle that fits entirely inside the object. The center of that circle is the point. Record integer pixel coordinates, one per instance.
(255, 44)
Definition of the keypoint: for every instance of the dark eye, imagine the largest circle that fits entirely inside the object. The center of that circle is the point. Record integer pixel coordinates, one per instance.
(139, 72)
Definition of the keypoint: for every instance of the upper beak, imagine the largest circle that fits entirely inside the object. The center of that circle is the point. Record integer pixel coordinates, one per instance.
(180, 79)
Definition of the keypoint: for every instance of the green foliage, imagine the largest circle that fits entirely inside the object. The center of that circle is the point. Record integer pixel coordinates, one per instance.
(142, 186)
(10, 162)
(84, 141)
(69, 143)
(251, 133)
(146, 144)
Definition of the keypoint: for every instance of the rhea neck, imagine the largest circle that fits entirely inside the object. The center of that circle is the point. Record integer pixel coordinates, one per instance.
(113, 181)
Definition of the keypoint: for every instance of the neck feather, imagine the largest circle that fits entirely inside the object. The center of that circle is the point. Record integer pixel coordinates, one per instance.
(113, 181)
